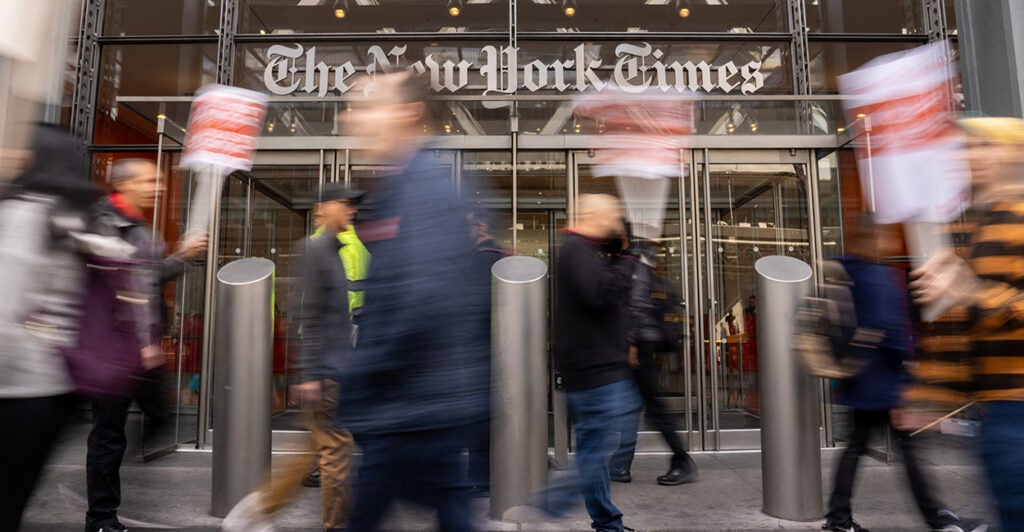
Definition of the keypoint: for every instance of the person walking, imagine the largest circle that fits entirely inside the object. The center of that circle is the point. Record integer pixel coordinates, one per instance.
(417, 378)
(989, 288)
(593, 279)
(44, 238)
(135, 189)
(649, 297)
(881, 301)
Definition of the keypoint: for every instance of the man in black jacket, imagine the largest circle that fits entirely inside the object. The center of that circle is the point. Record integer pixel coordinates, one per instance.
(120, 214)
(593, 281)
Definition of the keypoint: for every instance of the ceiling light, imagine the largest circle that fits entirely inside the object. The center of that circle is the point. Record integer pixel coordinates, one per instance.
(683, 8)
(340, 8)
(569, 8)
(454, 7)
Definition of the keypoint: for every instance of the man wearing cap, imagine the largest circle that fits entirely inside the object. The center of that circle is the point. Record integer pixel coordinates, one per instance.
(334, 259)
(331, 264)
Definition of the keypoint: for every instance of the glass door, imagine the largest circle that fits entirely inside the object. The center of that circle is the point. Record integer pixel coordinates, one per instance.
(742, 205)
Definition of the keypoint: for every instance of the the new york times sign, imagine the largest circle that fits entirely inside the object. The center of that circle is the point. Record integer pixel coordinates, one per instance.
(638, 68)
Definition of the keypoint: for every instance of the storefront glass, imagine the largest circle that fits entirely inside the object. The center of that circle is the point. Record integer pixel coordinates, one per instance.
(904, 17)
(277, 17)
(147, 70)
(736, 16)
(161, 17)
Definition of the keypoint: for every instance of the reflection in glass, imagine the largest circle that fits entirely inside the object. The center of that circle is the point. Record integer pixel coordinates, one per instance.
(828, 60)
(277, 17)
(735, 16)
(905, 17)
(146, 70)
(161, 17)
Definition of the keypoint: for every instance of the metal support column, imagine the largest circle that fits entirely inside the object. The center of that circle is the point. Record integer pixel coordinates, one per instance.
(242, 373)
(226, 41)
(790, 443)
(519, 428)
(88, 69)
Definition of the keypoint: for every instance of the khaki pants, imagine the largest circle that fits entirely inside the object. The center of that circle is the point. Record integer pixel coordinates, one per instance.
(333, 447)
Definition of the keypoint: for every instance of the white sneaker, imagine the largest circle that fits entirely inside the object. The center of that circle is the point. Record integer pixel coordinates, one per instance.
(244, 517)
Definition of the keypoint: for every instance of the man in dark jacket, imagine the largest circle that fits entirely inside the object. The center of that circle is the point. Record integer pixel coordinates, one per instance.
(648, 298)
(417, 377)
(327, 338)
(592, 285)
(136, 188)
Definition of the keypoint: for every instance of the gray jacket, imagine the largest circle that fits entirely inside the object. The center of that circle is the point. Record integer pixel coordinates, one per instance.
(325, 325)
(41, 288)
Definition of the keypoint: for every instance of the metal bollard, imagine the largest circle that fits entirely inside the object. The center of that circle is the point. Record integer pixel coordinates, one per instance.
(243, 364)
(519, 382)
(790, 441)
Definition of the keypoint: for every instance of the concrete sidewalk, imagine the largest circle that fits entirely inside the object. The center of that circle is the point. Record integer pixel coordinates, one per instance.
(175, 491)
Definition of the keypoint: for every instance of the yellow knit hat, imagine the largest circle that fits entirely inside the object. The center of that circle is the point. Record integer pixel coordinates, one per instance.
(1001, 129)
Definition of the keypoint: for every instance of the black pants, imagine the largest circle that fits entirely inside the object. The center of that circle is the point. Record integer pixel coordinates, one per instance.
(32, 426)
(647, 380)
(107, 444)
(864, 421)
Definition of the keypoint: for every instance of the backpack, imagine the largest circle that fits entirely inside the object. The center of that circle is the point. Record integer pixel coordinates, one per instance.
(826, 338)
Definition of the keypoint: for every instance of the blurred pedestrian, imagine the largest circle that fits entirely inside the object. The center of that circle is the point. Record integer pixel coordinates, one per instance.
(330, 269)
(592, 285)
(990, 284)
(417, 378)
(136, 188)
(880, 297)
(43, 214)
(648, 333)
(486, 252)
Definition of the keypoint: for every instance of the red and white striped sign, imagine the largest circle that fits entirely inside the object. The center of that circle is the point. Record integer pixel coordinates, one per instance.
(911, 170)
(223, 128)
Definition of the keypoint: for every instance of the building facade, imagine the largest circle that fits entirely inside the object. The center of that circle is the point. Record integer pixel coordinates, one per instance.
(769, 170)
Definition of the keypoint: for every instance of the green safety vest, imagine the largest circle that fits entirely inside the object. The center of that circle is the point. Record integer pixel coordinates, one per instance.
(356, 260)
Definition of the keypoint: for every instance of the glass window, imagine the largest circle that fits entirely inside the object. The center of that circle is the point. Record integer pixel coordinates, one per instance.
(147, 70)
(735, 16)
(905, 17)
(832, 59)
(162, 17)
(951, 27)
(282, 17)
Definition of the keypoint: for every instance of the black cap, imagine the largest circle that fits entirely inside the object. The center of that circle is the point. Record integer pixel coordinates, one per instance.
(337, 191)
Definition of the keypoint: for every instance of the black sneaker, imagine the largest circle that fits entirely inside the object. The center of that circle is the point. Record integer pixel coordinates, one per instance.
(112, 527)
(312, 479)
(950, 522)
(834, 525)
(619, 474)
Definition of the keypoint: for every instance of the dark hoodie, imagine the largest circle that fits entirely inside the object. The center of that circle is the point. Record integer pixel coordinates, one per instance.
(57, 168)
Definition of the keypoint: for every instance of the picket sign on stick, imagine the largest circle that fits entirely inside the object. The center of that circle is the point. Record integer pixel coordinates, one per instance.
(647, 137)
(224, 126)
(911, 169)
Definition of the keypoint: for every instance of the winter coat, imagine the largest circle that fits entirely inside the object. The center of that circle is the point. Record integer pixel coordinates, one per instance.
(881, 300)
(591, 305)
(418, 363)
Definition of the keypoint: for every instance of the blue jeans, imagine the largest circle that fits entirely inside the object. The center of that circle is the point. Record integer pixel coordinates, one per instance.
(599, 416)
(1002, 438)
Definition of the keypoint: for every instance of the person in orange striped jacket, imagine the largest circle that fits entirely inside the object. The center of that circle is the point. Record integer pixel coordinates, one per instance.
(989, 327)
